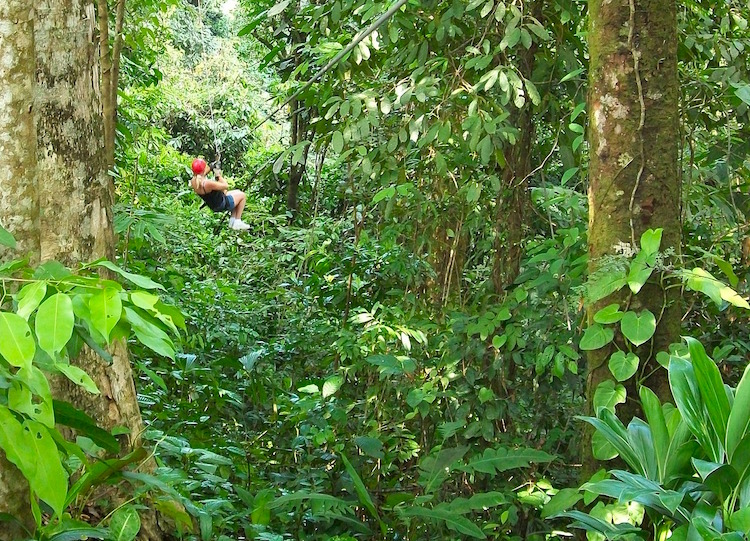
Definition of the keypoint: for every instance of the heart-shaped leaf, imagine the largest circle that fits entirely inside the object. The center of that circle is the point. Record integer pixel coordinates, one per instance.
(608, 314)
(638, 328)
(608, 394)
(595, 337)
(651, 240)
(623, 366)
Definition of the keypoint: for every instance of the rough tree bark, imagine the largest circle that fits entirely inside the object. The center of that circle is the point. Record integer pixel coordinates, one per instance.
(18, 199)
(64, 142)
(634, 180)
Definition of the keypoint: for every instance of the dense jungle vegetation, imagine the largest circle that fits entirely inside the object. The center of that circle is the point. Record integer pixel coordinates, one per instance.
(494, 284)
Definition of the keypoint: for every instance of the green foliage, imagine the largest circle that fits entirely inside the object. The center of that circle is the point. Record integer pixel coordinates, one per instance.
(346, 337)
(685, 469)
(637, 328)
(47, 315)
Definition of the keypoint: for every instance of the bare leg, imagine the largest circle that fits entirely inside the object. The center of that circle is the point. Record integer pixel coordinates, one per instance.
(239, 203)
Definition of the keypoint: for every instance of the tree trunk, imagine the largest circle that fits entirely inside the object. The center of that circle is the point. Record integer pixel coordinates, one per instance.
(109, 65)
(634, 181)
(62, 144)
(512, 206)
(18, 197)
(513, 203)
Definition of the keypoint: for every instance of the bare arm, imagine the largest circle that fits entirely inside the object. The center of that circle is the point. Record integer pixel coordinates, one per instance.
(216, 185)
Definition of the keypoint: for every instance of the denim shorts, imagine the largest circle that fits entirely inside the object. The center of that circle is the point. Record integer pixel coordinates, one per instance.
(228, 203)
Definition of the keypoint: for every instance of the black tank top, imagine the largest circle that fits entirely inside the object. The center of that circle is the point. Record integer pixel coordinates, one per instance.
(214, 200)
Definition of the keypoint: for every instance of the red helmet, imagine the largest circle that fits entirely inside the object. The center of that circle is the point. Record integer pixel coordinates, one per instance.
(198, 166)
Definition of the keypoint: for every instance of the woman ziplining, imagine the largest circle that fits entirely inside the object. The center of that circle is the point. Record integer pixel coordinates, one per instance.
(216, 194)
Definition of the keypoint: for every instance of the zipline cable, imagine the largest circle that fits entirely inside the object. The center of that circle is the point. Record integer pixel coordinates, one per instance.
(335, 60)
(217, 142)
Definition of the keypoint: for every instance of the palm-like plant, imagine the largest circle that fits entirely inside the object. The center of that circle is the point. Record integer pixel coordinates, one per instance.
(689, 465)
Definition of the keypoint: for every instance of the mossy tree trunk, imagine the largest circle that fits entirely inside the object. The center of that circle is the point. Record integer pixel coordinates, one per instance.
(634, 182)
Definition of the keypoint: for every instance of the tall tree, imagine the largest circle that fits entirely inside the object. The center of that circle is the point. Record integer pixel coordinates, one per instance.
(55, 70)
(77, 195)
(634, 183)
(18, 197)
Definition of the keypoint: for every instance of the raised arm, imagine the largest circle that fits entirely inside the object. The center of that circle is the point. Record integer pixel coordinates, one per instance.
(216, 185)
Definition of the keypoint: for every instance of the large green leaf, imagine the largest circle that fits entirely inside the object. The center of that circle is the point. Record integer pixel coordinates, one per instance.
(733, 298)
(609, 314)
(612, 429)
(260, 514)
(364, 496)
(738, 424)
(601, 448)
(54, 323)
(452, 520)
(370, 446)
(49, 479)
(608, 394)
(17, 345)
(102, 470)
(148, 332)
(564, 499)
(701, 280)
(638, 328)
(721, 479)
(595, 337)
(30, 297)
(31, 394)
(493, 461)
(642, 443)
(78, 376)
(651, 240)
(124, 524)
(605, 285)
(687, 397)
(741, 460)
(593, 524)
(436, 467)
(640, 270)
(623, 365)
(106, 309)
(76, 534)
(13, 442)
(68, 415)
(137, 279)
(659, 433)
(6, 238)
(332, 385)
(740, 520)
(711, 388)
